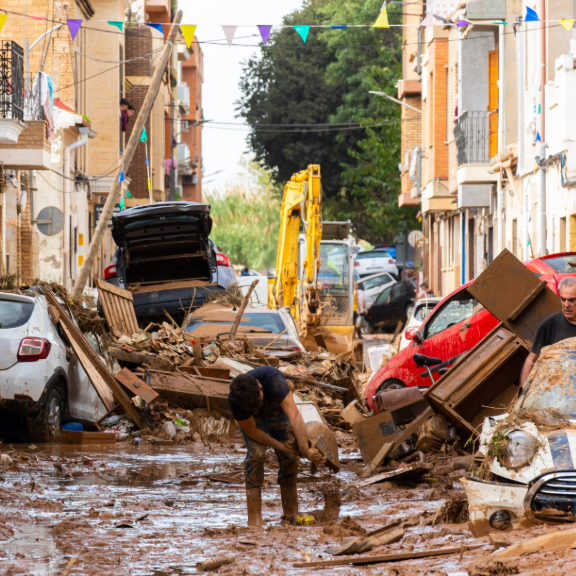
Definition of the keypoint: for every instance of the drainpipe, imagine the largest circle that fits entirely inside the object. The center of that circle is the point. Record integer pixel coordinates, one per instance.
(85, 133)
(543, 71)
(542, 201)
(520, 81)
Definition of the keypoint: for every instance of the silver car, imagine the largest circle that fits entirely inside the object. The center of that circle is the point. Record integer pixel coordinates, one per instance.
(261, 326)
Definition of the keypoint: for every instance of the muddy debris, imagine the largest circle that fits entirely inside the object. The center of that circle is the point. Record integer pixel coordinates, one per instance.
(494, 568)
(454, 510)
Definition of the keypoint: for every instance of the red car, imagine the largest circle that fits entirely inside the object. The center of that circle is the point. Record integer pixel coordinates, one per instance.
(457, 324)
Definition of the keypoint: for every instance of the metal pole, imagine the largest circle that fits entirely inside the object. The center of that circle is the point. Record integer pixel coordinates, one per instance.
(542, 201)
(520, 81)
(127, 158)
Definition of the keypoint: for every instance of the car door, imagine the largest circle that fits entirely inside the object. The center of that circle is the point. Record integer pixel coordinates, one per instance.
(378, 313)
(373, 286)
(397, 299)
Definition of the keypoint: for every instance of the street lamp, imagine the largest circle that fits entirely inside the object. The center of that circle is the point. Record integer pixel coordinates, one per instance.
(394, 100)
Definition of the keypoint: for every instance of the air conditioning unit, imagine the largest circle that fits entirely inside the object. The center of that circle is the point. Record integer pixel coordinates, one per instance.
(183, 95)
(183, 153)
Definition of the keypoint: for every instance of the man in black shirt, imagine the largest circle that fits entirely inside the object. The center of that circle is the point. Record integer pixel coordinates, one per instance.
(263, 406)
(555, 328)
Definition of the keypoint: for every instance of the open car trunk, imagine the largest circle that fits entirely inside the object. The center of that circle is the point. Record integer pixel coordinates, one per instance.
(164, 243)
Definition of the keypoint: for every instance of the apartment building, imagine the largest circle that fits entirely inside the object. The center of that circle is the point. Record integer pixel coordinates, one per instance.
(503, 177)
(59, 155)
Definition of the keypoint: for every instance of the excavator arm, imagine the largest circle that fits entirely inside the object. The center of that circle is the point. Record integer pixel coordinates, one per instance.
(302, 201)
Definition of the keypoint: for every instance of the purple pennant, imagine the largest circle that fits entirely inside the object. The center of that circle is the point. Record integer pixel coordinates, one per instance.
(74, 26)
(462, 23)
(265, 33)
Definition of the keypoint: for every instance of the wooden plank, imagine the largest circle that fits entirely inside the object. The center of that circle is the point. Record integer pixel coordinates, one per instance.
(93, 366)
(378, 459)
(412, 427)
(359, 560)
(393, 474)
(558, 540)
(136, 386)
(118, 307)
(153, 360)
(372, 433)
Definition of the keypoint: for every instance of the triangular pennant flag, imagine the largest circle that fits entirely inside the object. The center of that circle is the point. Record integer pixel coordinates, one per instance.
(128, 195)
(117, 23)
(144, 137)
(265, 33)
(146, 162)
(531, 15)
(121, 177)
(303, 31)
(428, 21)
(156, 27)
(382, 21)
(500, 23)
(149, 184)
(73, 26)
(38, 17)
(340, 27)
(229, 32)
(568, 24)
(538, 137)
(121, 203)
(188, 31)
(2, 20)
(462, 23)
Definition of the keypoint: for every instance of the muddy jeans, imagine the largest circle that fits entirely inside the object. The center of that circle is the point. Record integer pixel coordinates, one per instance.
(278, 427)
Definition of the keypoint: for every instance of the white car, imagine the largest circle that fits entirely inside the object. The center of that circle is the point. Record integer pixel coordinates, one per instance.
(422, 308)
(40, 377)
(372, 261)
(374, 284)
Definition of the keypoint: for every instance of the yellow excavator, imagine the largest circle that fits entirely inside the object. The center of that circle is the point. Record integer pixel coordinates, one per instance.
(315, 268)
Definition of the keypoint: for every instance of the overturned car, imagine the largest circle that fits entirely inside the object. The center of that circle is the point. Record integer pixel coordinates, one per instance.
(529, 470)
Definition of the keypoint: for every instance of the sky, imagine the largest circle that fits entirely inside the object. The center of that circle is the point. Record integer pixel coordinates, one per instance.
(224, 148)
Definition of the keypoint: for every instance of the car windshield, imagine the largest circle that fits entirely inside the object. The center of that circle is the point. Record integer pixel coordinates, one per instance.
(373, 254)
(454, 312)
(14, 314)
(562, 264)
(552, 383)
(260, 322)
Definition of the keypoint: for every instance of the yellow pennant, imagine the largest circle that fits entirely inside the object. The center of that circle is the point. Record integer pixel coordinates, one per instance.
(2, 20)
(382, 21)
(568, 24)
(149, 185)
(188, 31)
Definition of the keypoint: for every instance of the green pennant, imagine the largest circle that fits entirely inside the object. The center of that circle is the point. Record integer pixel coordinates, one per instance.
(121, 203)
(117, 23)
(128, 195)
(144, 137)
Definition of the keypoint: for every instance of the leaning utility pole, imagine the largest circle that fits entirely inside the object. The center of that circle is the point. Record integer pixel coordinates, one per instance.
(130, 149)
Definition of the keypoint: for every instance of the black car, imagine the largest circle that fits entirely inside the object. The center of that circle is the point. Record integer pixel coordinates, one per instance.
(165, 258)
(394, 304)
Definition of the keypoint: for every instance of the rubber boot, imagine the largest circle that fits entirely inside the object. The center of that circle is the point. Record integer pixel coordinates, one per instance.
(289, 495)
(254, 504)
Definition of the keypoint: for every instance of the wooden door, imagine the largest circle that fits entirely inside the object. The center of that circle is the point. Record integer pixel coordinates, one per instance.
(493, 101)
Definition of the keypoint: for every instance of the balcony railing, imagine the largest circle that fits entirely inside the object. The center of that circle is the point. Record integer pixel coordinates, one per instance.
(19, 95)
(472, 135)
(11, 80)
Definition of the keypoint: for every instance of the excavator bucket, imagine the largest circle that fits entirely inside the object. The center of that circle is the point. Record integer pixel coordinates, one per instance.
(323, 439)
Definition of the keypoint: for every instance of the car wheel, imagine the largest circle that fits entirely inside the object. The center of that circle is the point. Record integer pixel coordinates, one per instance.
(45, 427)
(409, 310)
(392, 384)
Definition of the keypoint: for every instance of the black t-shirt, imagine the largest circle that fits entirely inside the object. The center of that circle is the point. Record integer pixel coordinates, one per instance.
(554, 329)
(275, 389)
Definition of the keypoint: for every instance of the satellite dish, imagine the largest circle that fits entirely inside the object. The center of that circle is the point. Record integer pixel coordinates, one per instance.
(415, 238)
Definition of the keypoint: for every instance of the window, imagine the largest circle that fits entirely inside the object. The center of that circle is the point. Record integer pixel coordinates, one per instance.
(422, 312)
(384, 295)
(398, 290)
(452, 313)
(266, 322)
(14, 314)
(372, 254)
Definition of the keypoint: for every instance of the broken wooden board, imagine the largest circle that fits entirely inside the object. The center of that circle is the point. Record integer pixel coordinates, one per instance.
(514, 295)
(351, 415)
(138, 387)
(385, 535)
(207, 372)
(118, 309)
(378, 459)
(362, 560)
(153, 360)
(191, 391)
(408, 470)
(73, 437)
(558, 540)
(97, 372)
(482, 382)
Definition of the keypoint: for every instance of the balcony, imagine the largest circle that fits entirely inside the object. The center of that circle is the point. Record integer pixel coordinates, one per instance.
(472, 135)
(23, 141)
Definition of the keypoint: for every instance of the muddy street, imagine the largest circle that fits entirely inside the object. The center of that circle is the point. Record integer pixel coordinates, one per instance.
(147, 510)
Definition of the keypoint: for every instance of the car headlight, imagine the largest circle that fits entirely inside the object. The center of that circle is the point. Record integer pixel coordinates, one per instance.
(519, 450)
